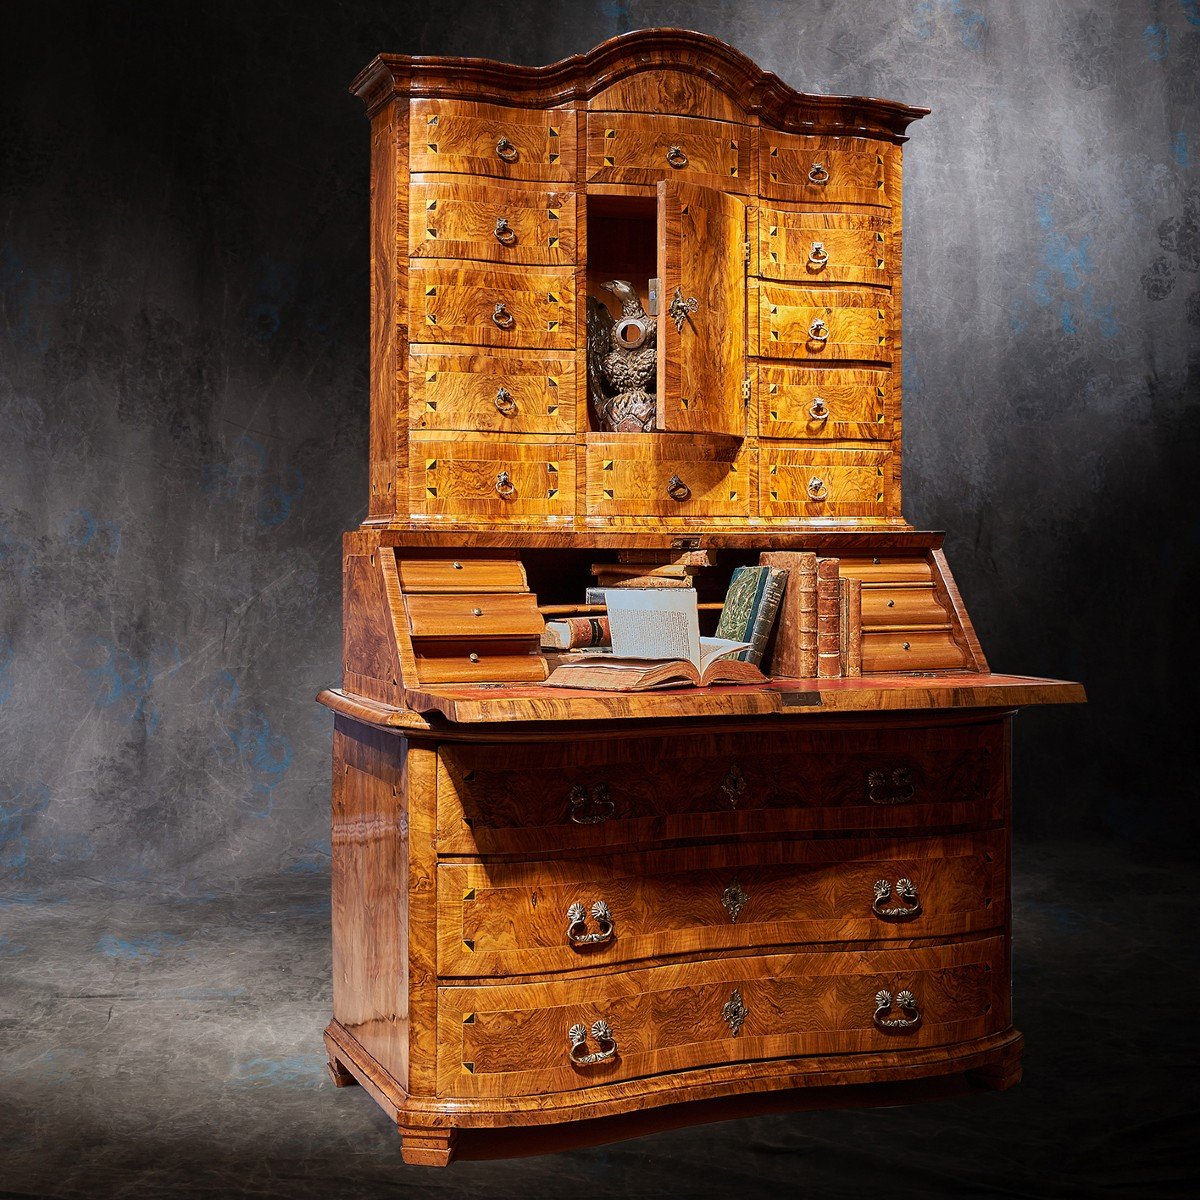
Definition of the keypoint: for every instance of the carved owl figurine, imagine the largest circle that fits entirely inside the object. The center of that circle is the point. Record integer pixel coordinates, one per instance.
(630, 367)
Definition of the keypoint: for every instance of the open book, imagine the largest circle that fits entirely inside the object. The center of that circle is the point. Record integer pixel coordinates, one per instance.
(656, 643)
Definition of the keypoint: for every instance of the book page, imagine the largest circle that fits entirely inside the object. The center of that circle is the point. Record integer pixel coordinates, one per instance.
(713, 648)
(654, 623)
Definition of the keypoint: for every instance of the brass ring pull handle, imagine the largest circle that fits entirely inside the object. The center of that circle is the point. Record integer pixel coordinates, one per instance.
(504, 485)
(817, 256)
(592, 808)
(679, 308)
(502, 318)
(818, 173)
(891, 787)
(577, 933)
(677, 489)
(818, 409)
(602, 1032)
(818, 331)
(817, 489)
(676, 157)
(506, 150)
(506, 235)
(906, 891)
(505, 403)
(905, 1001)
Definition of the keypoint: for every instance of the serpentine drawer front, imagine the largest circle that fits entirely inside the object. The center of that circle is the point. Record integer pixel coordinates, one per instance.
(522, 918)
(535, 1038)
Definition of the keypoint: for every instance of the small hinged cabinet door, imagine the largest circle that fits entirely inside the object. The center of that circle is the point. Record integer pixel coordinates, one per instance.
(702, 310)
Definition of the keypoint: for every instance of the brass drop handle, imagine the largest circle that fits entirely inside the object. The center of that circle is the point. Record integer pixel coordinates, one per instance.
(506, 235)
(502, 318)
(504, 485)
(679, 308)
(890, 787)
(505, 403)
(818, 331)
(817, 257)
(677, 489)
(506, 150)
(818, 173)
(906, 891)
(590, 808)
(905, 1001)
(602, 1032)
(577, 931)
(676, 157)
(818, 409)
(817, 489)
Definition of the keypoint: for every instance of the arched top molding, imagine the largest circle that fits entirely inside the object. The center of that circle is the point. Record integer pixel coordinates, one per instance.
(757, 93)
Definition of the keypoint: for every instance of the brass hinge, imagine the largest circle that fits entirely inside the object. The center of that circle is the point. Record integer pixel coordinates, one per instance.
(746, 389)
(746, 250)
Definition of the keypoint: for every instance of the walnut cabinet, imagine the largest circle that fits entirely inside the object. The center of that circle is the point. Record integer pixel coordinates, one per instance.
(563, 917)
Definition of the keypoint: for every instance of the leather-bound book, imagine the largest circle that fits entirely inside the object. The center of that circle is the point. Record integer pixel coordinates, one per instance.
(794, 654)
(829, 648)
(850, 626)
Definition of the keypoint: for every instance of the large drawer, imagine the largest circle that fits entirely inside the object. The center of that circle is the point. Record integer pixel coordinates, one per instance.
(526, 918)
(798, 481)
(825, 403)
(518, 1039)
(813, 247)
(548, 796)
(824, 170)
(819, 324)
(639, 148)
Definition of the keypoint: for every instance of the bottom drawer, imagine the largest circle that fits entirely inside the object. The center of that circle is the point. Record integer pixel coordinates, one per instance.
(532, 1038)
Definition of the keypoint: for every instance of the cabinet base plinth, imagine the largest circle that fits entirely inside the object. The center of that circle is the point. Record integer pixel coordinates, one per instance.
(427, 1147)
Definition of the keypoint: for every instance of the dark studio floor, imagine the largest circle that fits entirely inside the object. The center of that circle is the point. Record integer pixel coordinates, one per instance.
(172, 1048)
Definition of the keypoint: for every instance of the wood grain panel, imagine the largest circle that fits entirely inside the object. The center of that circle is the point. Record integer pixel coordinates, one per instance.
(884, 604)
(472, 478)
(633, 148)
(814, 247)
(462, 574)
(486, 659)
(474, 616)
(512, 918)
(822, 170)
(819, 325)
(701, 360)
(455, 217)
(453, 303)
(802, 482)
(666, 90)
(498, 1040)
(502, 391)
(886, 568)
(912, 650)
(462, 137)
(824, 403)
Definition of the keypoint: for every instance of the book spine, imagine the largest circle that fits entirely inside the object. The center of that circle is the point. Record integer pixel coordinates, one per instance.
(622, 570)
(570, 633)
(851, 628)
(763, 620)
(642, 581)
(806, 582)
(828, 624)
(683, 558)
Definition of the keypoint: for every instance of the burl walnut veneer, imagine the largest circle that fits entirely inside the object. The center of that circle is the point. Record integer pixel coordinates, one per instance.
(576, 916)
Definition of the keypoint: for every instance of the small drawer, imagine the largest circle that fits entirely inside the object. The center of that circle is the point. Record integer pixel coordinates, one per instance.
(907, 604)
(637, 148)
(799, 482)
(825, 170)
(491, 306)
(545, 797)
(649, 476)
(542, 1037)
(449, 217)
(462, 575)
(464, 659)
(819, 325)
(824, 247)
(911, 650)
(466, 138)
(887, 568)
(533, 917)
(497, 479)
(478, 616)
(834, 404)
(502, 391)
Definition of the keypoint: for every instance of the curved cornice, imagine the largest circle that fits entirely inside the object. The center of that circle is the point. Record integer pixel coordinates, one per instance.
(758, 93)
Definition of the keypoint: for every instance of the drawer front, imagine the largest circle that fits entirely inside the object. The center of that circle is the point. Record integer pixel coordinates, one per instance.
(826, 170)
(819, 325)
(628, 479)
(546, 797)
(501, 391)
(635, 148)
(497, 479)
(911, 650)
(488, 139)
(533, 917)
(798, 482)
(824, 403)
(492, 306)
(902, 605)
(483, 659)
(518, 1039)
(461, 575)
(824, 247)
(449, 217)
(466, 615)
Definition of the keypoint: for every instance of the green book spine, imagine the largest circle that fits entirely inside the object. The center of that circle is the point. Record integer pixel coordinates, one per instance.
(751, 604)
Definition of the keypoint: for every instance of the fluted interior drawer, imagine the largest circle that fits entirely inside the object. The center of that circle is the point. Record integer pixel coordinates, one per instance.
(532, 917)
(823, 247)
(546, 796)
(644, 148)
(518, 1038)
(825, 170)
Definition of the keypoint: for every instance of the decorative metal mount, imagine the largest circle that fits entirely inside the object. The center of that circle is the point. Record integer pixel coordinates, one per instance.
(891, 787)
(592, 808)
(577, 933)
(679, 308)
(602, 1032)
(735, 1012)
(733, 785)
(734, 900)
(905, 1001)
(907, 892)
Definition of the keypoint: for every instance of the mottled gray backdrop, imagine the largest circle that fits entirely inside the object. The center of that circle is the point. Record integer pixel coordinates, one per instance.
(183, 389)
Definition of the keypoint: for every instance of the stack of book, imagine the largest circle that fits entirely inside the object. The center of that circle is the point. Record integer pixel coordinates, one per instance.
(820, 619)
(651, 569)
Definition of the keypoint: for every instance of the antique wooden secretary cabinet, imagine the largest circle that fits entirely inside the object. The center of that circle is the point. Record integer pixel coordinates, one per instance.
(584, 913)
